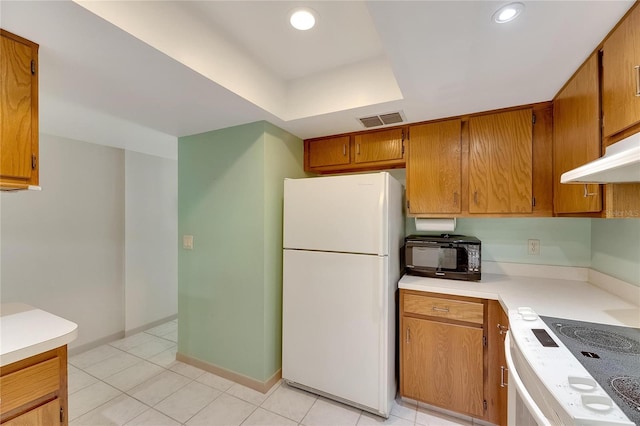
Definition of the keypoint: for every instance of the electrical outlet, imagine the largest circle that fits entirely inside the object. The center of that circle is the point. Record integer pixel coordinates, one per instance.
(534, 247)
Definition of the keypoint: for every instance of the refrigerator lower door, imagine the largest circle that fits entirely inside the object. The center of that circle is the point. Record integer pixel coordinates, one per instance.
(339, 327)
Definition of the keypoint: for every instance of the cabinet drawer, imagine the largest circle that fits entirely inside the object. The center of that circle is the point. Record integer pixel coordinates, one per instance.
(28, 384)
(444, 308)
(47, 414)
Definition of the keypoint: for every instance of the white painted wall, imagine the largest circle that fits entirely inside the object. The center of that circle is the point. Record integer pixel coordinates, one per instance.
(62, 248)
(98, 244)
(151, 239)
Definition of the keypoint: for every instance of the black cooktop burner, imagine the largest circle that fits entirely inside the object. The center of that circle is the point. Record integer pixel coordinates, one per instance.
(628, 387)
(610, 354)
(604, 339)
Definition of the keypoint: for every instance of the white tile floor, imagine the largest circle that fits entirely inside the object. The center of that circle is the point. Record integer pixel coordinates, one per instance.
(137, 381)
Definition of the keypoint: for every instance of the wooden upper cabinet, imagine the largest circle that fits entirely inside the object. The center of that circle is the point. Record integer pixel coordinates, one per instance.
(328, 152)
(576, 139)
(621, 75)
(434, 168)
(19, 112)
(385, 145)
(375, 150)
(500, 162)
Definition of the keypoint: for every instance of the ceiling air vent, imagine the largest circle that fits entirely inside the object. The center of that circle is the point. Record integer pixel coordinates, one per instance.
(371, 121)
(380, 120)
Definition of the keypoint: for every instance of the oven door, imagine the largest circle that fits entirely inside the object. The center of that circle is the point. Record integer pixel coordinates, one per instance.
(522, 409)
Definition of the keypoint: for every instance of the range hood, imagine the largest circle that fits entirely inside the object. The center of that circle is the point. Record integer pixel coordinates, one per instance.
(619, 164)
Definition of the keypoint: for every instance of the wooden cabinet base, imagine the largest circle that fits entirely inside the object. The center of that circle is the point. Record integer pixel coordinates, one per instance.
(33, 391)
(45, 415)
(452, 353)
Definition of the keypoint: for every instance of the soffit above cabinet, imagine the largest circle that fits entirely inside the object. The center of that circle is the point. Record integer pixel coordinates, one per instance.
(429, 59)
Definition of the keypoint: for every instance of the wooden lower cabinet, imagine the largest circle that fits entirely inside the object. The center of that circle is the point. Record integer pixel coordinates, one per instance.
(33, 391)
(497, 373)
(443, 365)
(45, 415)
(452, 358)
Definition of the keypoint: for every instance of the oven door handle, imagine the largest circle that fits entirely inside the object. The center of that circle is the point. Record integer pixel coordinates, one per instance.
(516, 382)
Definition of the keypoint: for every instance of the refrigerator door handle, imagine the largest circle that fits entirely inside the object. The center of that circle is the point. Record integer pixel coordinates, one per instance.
(383, 215)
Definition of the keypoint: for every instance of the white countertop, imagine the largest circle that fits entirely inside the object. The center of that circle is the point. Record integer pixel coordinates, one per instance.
(578, 300)
(26, 331)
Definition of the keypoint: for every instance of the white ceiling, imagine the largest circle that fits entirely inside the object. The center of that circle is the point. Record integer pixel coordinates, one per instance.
(183, 67)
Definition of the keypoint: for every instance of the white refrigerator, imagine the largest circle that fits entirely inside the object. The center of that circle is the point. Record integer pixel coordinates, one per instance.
(341, 265)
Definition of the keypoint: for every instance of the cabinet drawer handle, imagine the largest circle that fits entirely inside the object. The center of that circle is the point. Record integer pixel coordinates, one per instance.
(587, 193)
(637, 68)
(455, 198)
(408, 335)
(503, 328)
(358, 148)
(437, 309)
(475, 197)
(344, 149)
(503, 384)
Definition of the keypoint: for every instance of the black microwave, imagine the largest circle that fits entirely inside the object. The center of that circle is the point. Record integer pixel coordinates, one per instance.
(456, 257)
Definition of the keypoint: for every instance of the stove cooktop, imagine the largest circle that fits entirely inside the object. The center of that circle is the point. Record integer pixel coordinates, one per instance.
(611, 355)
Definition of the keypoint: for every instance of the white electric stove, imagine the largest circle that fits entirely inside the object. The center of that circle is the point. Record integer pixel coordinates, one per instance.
(547, 383)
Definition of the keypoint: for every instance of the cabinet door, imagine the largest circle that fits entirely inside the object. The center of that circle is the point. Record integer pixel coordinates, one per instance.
(385, 145)
(328, 152)
(500, 162)
(503, 326)
(498, 325)
(442, 365)
(576, 139)
(45, 415)
(434, 168)
(18, 107)
(621, 75)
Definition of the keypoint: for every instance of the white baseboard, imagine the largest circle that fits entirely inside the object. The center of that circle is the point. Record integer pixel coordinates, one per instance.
(102, 341)
(152, 324)
(117, 336)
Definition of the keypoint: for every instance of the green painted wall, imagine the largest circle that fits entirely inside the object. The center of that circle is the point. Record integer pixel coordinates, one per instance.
(284, 155)
(563, 241)
(615, 248)
(229, 196)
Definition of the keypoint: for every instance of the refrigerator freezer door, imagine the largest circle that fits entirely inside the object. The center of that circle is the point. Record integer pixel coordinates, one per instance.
(337, 213)
(337, 334)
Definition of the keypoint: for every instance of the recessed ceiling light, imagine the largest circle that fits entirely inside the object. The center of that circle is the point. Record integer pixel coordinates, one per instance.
(302, 19)
(508, 12)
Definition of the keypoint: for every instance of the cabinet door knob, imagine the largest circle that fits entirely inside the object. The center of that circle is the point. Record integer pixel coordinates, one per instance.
(503, 328)
(587, 193)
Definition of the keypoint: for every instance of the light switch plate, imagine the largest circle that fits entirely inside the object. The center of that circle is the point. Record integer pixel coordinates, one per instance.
(187, 242)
